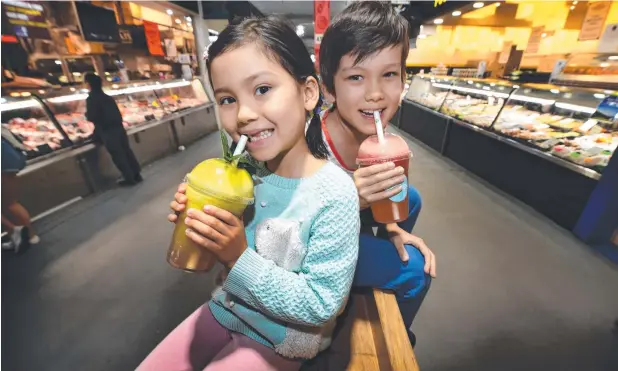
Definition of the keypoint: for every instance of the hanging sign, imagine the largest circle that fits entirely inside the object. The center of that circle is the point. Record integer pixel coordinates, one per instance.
(592, 27)
(321, 17)
(153, 38)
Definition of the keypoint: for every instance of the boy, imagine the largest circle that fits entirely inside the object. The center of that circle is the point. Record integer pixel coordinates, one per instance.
(362, 59)
(362, 67)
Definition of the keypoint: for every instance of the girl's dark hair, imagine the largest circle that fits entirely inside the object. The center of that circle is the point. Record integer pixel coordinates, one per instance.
(279, 42)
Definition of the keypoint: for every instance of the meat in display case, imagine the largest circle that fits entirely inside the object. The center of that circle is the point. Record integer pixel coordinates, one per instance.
(476, 101)
(562, 121)
(429, 91)
(27, 118)
(69, 108)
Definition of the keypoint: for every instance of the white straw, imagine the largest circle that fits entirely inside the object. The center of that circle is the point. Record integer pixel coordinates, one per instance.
(240, 147)
(379, 127)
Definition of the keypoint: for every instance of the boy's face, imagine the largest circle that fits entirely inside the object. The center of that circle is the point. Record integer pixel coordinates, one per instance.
(373, 84)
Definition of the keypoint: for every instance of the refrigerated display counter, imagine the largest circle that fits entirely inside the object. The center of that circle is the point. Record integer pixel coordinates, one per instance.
(545, 144)
(64, 160)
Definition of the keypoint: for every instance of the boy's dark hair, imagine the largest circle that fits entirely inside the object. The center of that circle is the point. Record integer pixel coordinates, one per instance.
(363, 28)
(280, 43)
(94, 81)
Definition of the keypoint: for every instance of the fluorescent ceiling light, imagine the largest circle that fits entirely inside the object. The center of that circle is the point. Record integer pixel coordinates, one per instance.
(456, 13)
(438, 21)
(478, 5)
(169, 12)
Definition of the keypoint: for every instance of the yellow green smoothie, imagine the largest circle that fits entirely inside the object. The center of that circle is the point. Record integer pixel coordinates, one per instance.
(218, 182)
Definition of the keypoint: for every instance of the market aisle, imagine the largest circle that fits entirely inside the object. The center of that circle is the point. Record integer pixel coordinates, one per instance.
(513, 291)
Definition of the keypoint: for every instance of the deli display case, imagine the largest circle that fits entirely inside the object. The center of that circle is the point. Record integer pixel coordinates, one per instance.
(476, 101)
(159, 116)
(29, 120)
(423, 101)
(547, 145)
(562, 121)
(429, 91)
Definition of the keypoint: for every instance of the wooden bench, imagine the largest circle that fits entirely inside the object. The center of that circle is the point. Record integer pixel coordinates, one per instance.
(370, 336)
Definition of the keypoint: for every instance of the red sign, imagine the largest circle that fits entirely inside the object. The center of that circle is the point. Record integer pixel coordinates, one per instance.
(321, 18)
(153, 38)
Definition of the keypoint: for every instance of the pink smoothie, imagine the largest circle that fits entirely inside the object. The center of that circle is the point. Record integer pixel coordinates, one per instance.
(396, 150)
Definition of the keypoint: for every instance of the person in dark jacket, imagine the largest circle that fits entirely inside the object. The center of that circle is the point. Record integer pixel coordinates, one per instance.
(103, 112)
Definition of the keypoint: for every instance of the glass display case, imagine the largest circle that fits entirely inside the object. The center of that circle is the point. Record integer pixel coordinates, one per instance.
(68, 105)
(49, 119)
(28, 119)
(476, 101)
(181, 95)
(429, 91)
(137, 102)
(567, 122)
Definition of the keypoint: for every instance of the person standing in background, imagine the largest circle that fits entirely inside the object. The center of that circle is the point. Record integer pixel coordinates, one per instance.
(102, 111)
(15, 217)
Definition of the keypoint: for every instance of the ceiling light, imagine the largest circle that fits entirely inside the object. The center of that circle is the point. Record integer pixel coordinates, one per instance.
(497, 5)
(438, 21)
(604, 64)
(478, 5)
(57, 61)
(177, 21)
(300, 30)
(543, 34)
(169, 12)
(456, 13)
(575, 2)
(188, 19)
(613, 58)
(572, 7)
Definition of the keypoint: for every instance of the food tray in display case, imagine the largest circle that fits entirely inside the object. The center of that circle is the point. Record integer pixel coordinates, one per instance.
(476, 101)
(429, 91)
(68, 106)
(29, 120)
(562, 121)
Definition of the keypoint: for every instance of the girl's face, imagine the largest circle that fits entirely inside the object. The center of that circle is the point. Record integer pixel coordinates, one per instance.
(257, 97)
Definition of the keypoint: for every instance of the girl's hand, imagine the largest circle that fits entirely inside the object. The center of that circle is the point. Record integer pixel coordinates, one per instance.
(179, 203)
(219, 231)
(373, 182)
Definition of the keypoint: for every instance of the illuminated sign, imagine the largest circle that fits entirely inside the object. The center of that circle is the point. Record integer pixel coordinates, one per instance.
(25, 19)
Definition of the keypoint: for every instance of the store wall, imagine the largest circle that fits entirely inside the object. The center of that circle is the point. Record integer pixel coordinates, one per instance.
(460, 45)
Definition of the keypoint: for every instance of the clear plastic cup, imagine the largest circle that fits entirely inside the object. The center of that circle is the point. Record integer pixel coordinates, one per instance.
(212, 182)
(394, 149)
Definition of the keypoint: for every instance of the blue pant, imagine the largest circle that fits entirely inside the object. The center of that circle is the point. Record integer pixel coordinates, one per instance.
(379, 265)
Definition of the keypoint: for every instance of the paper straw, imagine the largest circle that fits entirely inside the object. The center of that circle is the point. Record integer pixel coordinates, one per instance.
(240, 147)
(379, 127)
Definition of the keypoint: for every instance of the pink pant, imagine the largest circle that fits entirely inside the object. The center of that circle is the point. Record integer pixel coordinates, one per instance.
(201, 343)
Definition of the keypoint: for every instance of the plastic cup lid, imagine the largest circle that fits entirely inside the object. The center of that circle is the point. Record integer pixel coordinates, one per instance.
(221, 196)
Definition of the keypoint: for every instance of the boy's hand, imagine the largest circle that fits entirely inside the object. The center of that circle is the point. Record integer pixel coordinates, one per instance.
(373, 182)
(179, 203)
(399, 238)
(219, 231)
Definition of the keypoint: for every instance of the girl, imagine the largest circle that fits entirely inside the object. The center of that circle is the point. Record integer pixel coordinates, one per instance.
(289, 271)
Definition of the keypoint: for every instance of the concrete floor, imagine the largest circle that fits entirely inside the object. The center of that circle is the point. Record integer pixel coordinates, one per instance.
(514, 291)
